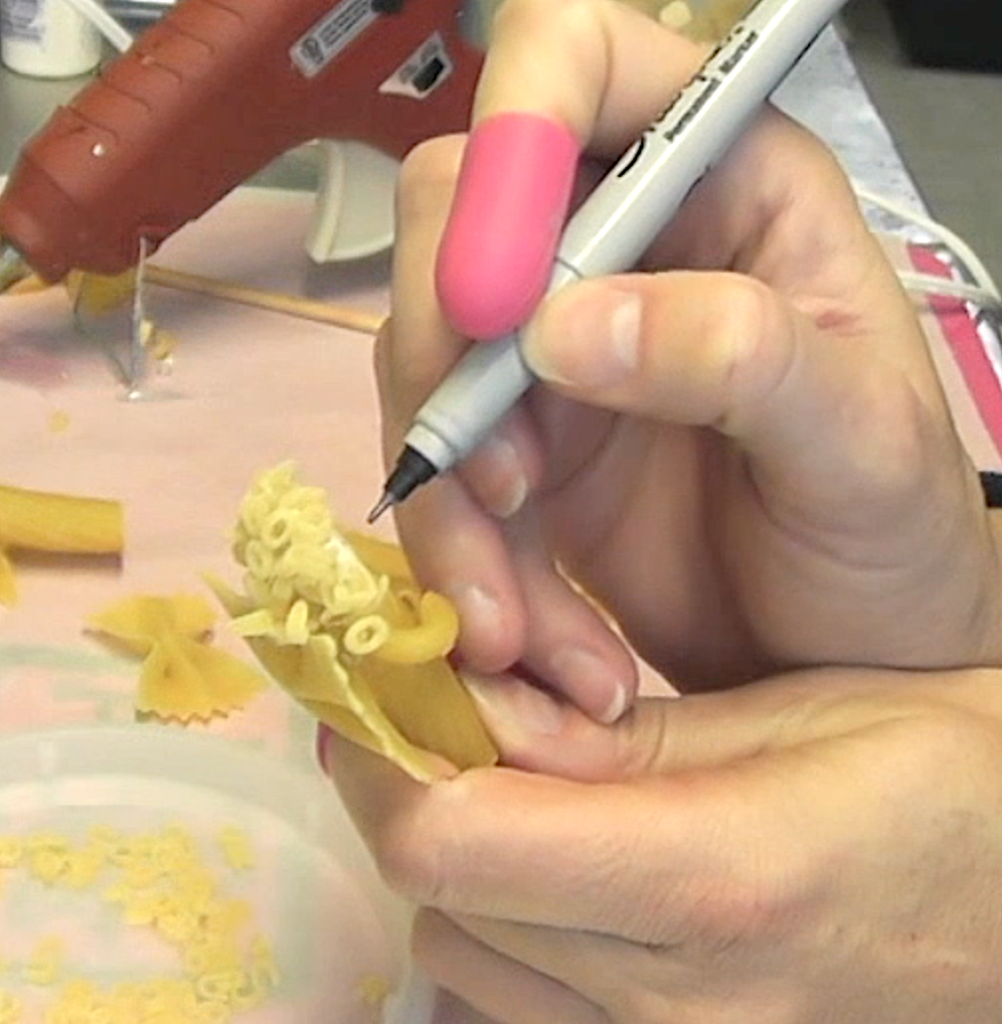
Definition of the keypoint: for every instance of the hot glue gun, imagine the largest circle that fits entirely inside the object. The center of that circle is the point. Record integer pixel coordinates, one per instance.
(210, 94)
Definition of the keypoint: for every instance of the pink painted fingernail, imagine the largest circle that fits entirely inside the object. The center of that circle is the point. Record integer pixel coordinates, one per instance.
(323, 734)
(511, 200)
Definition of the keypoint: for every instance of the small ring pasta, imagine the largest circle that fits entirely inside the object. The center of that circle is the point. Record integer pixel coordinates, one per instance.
(366, 634)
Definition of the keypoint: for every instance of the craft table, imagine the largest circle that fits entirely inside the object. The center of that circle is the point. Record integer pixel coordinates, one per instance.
(247, 389)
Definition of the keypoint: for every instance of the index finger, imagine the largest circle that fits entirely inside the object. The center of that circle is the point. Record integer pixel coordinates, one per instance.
(552, 83)
(564, 60)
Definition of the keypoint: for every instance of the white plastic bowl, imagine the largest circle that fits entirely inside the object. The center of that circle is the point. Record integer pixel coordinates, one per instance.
(314, 890)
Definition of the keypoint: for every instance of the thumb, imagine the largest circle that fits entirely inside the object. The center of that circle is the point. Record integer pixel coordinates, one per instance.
(539, 732)
(725, 351)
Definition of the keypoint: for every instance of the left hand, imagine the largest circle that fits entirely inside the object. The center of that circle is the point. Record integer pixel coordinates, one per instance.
(824, 846)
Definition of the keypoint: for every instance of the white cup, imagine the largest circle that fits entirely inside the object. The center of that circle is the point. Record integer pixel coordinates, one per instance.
(47, 39)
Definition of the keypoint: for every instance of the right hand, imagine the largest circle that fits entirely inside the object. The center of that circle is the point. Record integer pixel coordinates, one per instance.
(742, 450)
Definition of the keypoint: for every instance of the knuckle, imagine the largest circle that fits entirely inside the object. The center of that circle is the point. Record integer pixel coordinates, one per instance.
(428, 856)
(890, 431)
(412, 867)
(382, 354)
(952, 736)
(638, 1004)
(741, 352)
(427, 177)
(741, 915)
(516, 17)
(754, 907)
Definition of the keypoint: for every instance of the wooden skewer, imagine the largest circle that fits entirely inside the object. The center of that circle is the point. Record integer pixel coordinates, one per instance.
(361, 320)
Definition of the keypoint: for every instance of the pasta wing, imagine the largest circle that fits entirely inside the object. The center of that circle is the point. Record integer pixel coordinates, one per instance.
(182, 676)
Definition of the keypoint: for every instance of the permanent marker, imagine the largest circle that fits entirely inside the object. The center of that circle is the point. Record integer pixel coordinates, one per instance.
(617, 223)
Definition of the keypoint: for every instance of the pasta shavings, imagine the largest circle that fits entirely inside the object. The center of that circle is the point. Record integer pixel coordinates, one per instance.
(56, 523)
(338, 621)
(10, 1007)
(45, 966)
(158, 880)
(182, 676)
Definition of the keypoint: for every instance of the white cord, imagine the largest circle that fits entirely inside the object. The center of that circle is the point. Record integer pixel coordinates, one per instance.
(118, 36)
(982, 291)
(933, 284)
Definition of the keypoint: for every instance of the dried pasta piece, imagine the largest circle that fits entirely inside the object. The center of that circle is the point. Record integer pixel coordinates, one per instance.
(236, 848)
(59, 421)
(10, 1007)
(432, 637)
(337, 619)
(707, 21)
(58, 523)
(158, 877)
(45, 965)
(373, 990)
(27, 285)
(11, 851)
(96, 294)
(182, 676)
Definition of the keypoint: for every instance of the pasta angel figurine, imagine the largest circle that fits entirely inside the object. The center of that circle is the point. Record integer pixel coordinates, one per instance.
(338, 620)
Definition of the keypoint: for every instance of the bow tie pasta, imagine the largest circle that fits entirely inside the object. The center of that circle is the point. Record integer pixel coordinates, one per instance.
(337, 620)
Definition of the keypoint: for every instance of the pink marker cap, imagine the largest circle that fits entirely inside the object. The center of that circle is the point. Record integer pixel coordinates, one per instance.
(496, 255)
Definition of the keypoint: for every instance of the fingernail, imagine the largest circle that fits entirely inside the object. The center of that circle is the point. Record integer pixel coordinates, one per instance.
(322, 747)
(615, 708)
(509, 486)
(515, 711)
(497, 252)
(588, 336)
(479, 611)
(586, 676)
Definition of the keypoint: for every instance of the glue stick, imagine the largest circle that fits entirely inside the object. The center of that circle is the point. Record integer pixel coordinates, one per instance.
(47, 39)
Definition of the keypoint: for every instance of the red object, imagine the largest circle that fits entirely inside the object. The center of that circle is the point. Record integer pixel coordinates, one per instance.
(966, 345)
(213, 92)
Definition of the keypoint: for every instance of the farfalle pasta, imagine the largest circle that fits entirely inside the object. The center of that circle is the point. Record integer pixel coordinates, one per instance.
(338, 620)
(182, 677)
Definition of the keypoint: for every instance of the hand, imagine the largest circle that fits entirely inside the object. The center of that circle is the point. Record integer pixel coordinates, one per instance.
(748, 462)
(821, 848)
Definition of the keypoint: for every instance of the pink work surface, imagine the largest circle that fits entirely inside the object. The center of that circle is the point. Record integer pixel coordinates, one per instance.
(248, 389)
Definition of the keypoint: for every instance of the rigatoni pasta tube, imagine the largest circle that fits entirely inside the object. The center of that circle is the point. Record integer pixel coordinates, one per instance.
(60, 523)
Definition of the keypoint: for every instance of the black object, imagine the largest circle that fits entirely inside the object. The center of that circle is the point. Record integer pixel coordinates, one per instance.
(991, 484)
(961, 34)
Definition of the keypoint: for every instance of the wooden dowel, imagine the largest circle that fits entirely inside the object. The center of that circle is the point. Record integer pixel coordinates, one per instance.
(352, 319)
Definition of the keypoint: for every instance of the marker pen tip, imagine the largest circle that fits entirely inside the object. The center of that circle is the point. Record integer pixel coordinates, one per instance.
(385, 502)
